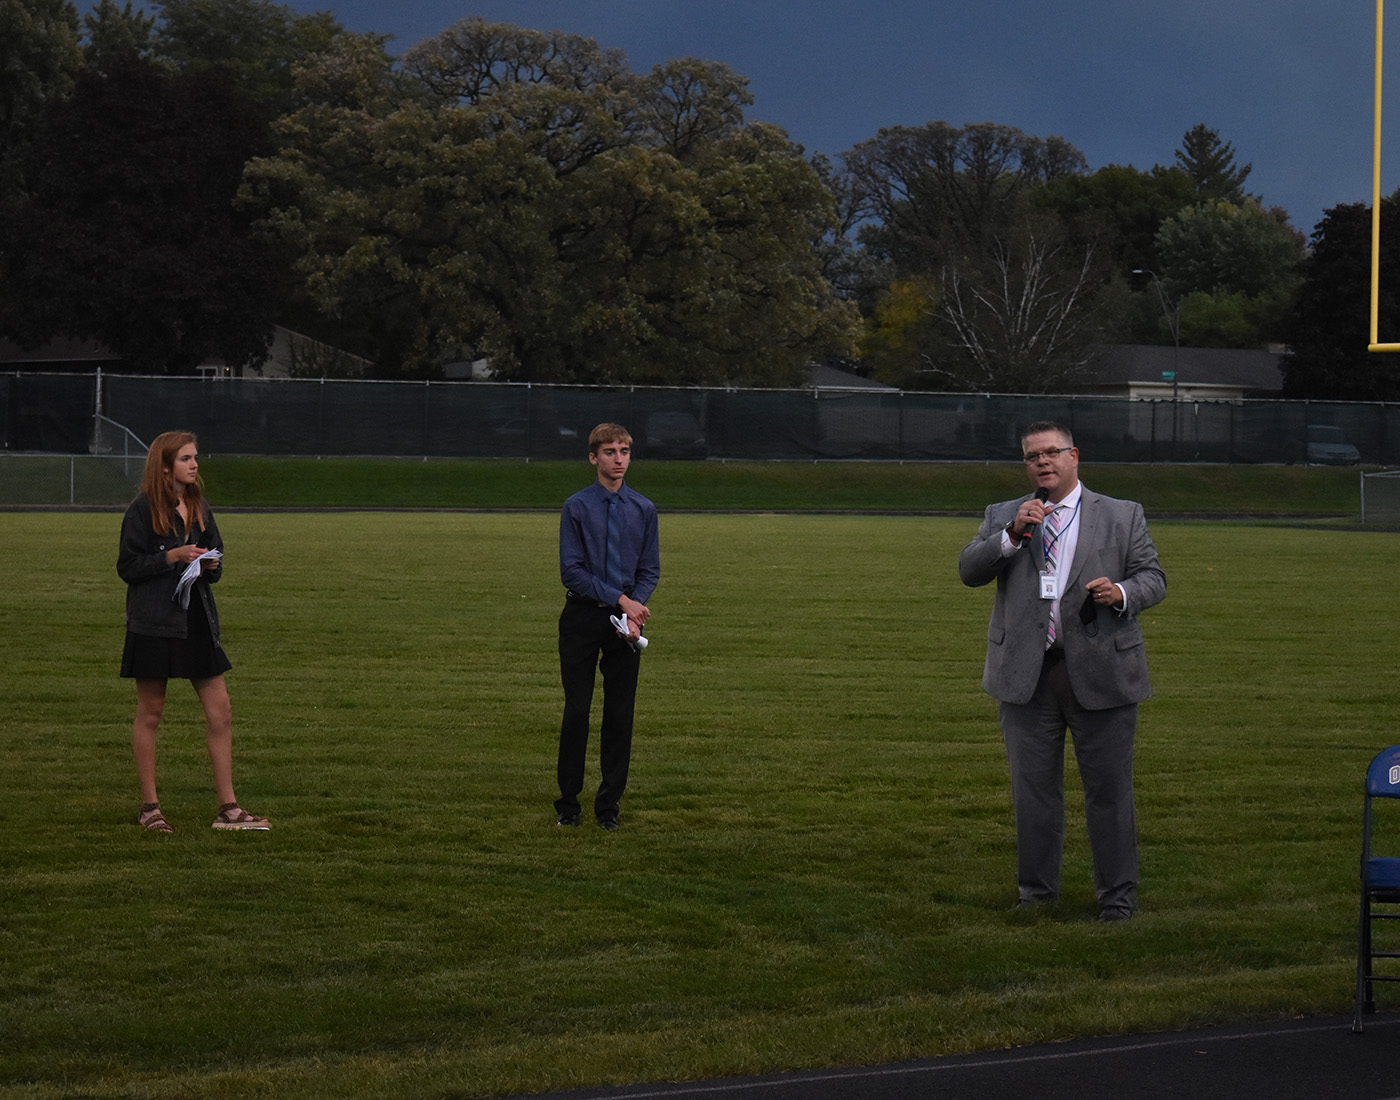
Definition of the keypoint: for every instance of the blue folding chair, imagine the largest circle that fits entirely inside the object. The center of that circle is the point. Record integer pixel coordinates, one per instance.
(1380, 885)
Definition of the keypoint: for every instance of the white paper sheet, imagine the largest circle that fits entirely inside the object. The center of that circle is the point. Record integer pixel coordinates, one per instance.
(191, 574)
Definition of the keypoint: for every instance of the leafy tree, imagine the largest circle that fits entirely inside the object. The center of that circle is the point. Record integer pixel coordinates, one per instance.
(129, 235)
(1329, 326)
(39, 60)
(1229, 266)
(1228, 320)
(353, 73)
(851, 271)
(117, 34)
(473, 59)
(904, 324)
(572, 221)
(1220, 247)
(1118, 209)
(939, 190)
(1210, 164)
(1015, 296)
(255, 44)
(1237, 266)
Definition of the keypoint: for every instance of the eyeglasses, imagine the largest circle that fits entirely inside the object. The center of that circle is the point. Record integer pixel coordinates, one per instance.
(1051, 452)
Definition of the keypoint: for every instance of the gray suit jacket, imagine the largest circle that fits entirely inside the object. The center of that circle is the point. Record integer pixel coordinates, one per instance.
(1105, 657)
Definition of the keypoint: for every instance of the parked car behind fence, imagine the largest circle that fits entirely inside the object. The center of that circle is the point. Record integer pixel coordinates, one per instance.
(1328, 447)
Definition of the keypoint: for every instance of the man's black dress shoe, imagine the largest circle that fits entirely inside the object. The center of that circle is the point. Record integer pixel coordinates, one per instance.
(609, 823)
(1116, 914)
(569, 820)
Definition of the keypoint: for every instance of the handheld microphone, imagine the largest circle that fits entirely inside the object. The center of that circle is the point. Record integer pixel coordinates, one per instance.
(1042, 494)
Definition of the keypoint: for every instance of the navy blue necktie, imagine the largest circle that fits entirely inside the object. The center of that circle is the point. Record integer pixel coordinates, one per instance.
(613, 568)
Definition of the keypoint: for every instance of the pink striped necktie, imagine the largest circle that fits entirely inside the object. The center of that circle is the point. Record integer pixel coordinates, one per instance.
(1053, 520)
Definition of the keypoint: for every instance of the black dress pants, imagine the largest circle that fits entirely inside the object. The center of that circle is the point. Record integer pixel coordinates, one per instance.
(588, 643)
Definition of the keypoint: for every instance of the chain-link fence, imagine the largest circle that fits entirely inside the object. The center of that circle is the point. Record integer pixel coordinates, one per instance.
(88, 480)
(1380, 497)
(78, 415)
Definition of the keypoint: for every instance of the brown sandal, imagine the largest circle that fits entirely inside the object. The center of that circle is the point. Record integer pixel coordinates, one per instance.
(152, 819)
(233, 816)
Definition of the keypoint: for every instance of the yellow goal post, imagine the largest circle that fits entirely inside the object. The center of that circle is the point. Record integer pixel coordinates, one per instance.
(1375, 344)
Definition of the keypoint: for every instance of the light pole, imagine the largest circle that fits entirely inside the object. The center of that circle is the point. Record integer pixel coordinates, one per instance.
(1173, 316)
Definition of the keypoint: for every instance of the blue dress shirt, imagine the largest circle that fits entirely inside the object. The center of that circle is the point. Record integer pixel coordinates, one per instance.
(583, 544)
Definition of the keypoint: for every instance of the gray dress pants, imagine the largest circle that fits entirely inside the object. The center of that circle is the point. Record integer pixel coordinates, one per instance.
(1034, 734)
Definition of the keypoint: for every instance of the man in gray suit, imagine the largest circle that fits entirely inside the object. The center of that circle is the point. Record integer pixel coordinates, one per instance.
(1064, 651)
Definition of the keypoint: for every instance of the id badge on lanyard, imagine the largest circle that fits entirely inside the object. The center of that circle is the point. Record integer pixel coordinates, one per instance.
(1049, 585)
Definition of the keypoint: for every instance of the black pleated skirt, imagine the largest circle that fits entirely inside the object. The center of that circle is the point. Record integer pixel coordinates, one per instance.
(193, 657)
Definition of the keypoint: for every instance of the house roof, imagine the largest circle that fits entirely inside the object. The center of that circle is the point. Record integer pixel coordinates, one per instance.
(58, 352)
(1245, 369)
(822, 377)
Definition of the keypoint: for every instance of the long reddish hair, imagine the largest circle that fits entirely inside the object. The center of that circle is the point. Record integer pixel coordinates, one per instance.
(158, 483)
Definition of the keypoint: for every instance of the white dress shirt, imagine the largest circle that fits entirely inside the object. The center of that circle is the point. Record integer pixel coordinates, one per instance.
(1065, 546)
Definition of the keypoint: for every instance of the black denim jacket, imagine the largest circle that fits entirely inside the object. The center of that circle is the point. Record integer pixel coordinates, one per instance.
(151, 607)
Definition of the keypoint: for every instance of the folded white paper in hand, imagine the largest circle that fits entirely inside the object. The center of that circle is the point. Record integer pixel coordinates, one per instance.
(191, 574)
(620, 625)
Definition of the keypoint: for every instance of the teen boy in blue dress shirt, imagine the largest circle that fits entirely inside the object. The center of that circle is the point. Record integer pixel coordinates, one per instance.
(610, 563)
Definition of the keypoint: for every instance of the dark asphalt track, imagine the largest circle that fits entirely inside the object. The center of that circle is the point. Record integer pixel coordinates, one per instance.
(1312, 1059)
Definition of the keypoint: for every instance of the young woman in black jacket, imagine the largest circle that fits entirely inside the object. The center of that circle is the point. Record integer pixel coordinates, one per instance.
(172, 629)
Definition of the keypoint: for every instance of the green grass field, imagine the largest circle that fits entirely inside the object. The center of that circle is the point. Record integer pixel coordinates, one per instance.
(816, 862)
(772, 486)
(1310, 492)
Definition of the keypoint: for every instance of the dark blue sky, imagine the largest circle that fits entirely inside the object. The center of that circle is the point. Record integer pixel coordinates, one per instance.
(1289, 82)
